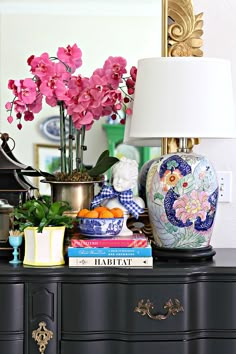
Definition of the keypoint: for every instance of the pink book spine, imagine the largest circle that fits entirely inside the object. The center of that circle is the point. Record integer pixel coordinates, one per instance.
(109, 243)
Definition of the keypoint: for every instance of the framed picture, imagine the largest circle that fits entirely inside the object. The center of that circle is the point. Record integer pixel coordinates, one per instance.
(50, 128)
(47, 158)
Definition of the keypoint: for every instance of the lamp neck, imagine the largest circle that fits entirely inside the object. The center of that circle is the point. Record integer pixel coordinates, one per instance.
(183, 145)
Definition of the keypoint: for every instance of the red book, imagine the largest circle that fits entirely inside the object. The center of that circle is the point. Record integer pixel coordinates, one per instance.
(119, 241)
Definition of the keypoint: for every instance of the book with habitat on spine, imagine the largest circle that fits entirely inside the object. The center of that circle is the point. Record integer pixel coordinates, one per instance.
(115, 262)
(110, 251)
(139, 240)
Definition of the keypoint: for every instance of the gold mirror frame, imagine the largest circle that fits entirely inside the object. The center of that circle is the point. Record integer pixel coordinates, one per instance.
(182, 37)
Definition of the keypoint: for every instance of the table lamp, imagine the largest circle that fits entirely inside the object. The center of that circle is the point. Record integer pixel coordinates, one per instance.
(182, 97)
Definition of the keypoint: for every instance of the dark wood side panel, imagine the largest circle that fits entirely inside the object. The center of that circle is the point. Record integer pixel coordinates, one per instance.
(12, 347)
(42, 307)
(11, 308)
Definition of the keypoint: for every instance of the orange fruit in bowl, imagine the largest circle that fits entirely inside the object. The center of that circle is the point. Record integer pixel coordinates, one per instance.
(92, 214)
(99, 209)
(106, 214)
(117, 212)
(82, 213)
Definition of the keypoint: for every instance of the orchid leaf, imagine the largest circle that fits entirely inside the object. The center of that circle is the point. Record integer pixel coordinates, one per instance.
(102, 166)
(102, 156)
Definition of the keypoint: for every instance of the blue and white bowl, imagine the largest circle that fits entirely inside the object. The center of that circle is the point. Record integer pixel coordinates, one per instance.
(99, 227)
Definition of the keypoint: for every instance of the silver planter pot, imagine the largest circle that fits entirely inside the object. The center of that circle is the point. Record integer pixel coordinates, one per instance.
(78, 194)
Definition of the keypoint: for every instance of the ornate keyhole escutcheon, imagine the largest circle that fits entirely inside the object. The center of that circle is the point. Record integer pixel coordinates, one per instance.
(42, 336)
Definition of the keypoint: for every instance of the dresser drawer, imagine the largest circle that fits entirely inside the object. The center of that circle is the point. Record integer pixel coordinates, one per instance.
(110, 307)
(121, 347)
(197, 346)
(11, 307)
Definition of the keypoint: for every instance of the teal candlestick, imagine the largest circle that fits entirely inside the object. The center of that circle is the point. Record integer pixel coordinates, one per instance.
(15, 242)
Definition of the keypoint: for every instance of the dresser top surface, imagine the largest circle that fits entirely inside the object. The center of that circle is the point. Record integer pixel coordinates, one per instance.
(223, 264)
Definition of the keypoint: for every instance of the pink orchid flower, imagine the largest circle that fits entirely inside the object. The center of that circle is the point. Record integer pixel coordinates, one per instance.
(37, 105)
(80, 120)
(42, 66)
(111, 97)
(27, 91)
(19, 106)
(84, 98)
(133, 73)
(71, 56)
(114, 69)
(76, 84)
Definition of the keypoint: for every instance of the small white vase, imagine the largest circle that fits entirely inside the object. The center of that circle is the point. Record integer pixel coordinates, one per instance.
(44, 248)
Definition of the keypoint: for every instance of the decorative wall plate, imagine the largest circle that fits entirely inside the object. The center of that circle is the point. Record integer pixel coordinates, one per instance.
(50, 128)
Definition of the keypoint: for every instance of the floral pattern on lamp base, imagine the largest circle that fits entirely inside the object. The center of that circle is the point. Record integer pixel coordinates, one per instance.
(182, 194)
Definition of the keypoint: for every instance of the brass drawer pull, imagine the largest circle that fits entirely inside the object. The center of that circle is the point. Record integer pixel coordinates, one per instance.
(42, 336)
(172, 307)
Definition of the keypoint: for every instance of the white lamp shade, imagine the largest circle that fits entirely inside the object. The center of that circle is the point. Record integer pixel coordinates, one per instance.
(138, 141)
(182, 97)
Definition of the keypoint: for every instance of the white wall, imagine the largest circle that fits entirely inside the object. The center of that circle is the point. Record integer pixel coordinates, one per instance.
(220, 41)
(129, 30)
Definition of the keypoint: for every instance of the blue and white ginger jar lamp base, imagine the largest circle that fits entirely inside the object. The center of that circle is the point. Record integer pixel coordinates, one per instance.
(182, 194)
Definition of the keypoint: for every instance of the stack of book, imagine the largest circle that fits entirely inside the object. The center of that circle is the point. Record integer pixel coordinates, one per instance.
(123, 252)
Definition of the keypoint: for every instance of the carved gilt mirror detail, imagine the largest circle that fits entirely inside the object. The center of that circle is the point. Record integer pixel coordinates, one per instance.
(184, 29)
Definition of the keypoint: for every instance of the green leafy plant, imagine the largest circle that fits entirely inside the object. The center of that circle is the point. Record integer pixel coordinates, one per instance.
(41, 213)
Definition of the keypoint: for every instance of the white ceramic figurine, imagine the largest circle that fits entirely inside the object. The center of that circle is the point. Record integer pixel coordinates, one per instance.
(120, 195)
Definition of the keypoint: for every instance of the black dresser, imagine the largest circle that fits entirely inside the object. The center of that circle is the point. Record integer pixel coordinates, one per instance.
(175, 308)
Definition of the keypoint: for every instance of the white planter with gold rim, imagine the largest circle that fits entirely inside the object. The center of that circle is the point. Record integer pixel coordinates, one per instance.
(44, 248)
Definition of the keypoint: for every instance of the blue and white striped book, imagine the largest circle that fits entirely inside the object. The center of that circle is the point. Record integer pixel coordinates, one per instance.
(110, 252)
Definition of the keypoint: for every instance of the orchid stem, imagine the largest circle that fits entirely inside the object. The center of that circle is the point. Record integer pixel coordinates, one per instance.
(83, 147)
(77, 149)
(71, 138)
(62, 137)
